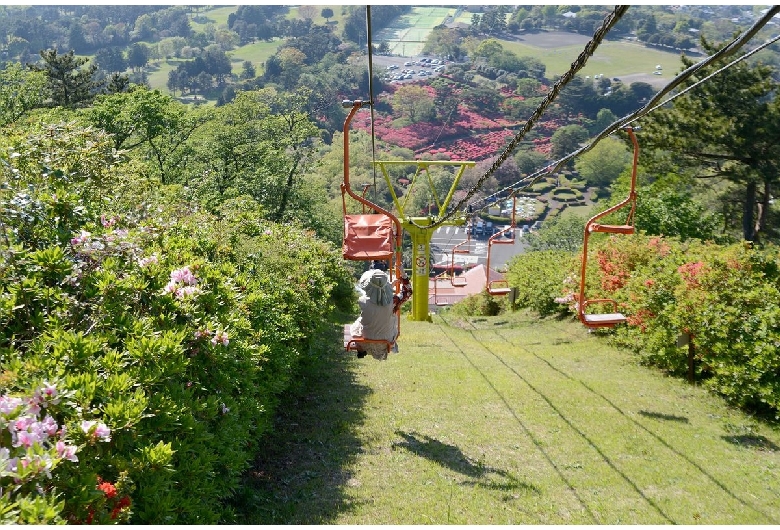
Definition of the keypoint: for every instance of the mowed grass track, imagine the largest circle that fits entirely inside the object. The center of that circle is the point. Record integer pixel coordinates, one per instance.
(510, 420)
(406, 35)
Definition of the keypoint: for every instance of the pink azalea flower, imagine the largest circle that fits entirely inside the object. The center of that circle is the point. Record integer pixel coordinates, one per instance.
(220, 337)
(9, 404)
(25, 439)
(103, 433)
(184, 275)
(145, 262)
(97, 430)
(68, 452)
(184, 292)
(81, 238)
(48, 426)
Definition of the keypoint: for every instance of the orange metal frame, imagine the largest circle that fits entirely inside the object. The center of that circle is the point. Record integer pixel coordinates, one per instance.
(456, 250)
(607, 320)
(498, 239)
(346, 189)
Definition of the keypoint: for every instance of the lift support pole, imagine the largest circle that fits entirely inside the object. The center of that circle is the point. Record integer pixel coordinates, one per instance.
(416, 227)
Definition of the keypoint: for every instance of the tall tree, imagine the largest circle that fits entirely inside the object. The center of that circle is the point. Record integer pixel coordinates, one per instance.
(260, 145)
(414, 102)
(602, 165)
(567, 139)
(728, 128)
(68, 83)
(149, 121)
(138, 55)
(111, 59)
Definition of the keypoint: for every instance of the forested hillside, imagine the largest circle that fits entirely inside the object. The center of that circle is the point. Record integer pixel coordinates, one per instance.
(171, 255)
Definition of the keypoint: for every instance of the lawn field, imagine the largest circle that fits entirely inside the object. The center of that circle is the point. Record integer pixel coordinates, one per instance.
(510, 420)
(257, 53)
(625, 60)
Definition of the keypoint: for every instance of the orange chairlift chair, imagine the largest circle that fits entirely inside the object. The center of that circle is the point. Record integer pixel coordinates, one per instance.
(449, 275)
(374, 234)
(436, 299)
(607, 320)
(500, 287)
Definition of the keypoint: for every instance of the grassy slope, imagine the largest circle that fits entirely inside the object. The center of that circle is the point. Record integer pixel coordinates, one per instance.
(511, 420)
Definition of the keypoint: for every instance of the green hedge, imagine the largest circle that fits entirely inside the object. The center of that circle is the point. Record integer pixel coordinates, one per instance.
(169, 331)
(539, 278)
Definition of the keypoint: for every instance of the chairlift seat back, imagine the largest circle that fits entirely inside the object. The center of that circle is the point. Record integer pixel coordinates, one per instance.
(368, 237)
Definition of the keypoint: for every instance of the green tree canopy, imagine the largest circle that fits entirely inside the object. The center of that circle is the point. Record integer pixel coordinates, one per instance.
(602, 164)
(20, 91)
(414, 103)
(567, 139)
(727, 128)
(558, 233)
(69, 83)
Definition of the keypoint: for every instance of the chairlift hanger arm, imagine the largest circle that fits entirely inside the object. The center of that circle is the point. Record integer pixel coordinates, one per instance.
(607, 319)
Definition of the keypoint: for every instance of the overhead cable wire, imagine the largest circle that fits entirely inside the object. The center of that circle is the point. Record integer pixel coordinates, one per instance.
(371, 94)
(609, 21)
(653, 104)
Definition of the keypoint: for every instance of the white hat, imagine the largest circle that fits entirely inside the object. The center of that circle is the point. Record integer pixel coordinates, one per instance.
(377, 287)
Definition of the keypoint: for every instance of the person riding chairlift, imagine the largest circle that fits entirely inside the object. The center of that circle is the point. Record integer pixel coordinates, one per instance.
(377, 320)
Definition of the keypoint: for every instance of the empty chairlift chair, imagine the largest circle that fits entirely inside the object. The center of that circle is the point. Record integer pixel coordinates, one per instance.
(500, 287)
(607, 320)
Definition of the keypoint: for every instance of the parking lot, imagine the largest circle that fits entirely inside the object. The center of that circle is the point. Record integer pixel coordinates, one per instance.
(405, 69)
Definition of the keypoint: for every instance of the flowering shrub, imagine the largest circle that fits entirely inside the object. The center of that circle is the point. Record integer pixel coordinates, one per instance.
(33, 449)
(725, 298)
(142, 349)
(472, 136)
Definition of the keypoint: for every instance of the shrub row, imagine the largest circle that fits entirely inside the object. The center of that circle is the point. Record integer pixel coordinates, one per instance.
(726, 299)
(142, 349)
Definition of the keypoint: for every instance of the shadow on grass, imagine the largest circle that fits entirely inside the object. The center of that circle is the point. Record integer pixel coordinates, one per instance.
(737, 496)
(754, 441)
(451, 457)
(662, 416)
(299, 477)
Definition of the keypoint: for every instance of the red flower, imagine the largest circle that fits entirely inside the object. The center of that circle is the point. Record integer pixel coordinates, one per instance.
(107, 488)
(690, 273)
(124, 502)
